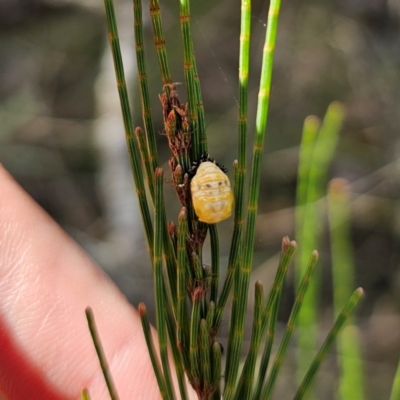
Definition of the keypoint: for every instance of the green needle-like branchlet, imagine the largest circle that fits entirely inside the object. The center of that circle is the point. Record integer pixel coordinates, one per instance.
(210, 315)
(241, 289)
(244, 388)
(85, 395)
(194, 334)
(288, 249)
(126, 114)
(100, 354)
(144, 152)
(168, 249)
(188, 66)
(240, 171)
(180, 359)
(143, 85)
(309, 217)
(204, 345)
(152, 350)
(240, 164)
(266, 393)
(339, 224)
(214, 262)
(158, 280)
(395, 394)
(216, 369)
(202, 137)
(159, 41)
(340, 321)
(351, 384)
(197, 268)
(309, 137)
(233, 256)
(244, 60)
(181, 303)
(270, 310)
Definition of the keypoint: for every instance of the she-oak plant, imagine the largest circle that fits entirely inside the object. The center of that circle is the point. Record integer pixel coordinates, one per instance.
(189, 303)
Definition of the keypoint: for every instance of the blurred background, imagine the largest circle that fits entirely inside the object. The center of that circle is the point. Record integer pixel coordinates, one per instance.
(61, 134)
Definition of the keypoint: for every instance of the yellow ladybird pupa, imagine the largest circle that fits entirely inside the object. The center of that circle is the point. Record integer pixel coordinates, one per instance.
(212, 195)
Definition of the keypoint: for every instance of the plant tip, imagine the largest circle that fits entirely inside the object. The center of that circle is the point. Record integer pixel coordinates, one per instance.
(258, 283)
(88, 311)
(285, 243)
(158, 172)
(338, 187)
(142, 309)
(312, 122)
(336, 107)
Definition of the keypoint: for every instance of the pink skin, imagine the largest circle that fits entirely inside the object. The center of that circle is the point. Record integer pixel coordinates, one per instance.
(46, 282)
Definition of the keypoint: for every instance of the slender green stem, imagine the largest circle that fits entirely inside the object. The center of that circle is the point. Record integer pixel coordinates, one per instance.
(214, 262)
(194, 334)
(147, 144)
(351, 384)
(152, 350)
(159, 41)
(188, 65)
(168, 248)
(181, 303)
(143, 85)
(241, 290)
(197, 268)
(234, 253)
(158, 281)
(288, 249)
(210, 314)
(305, 219)
(126, 114)
(340, 321)
(244, 60)
(85, 395)
(270, 310)
(266, 393)
(170, 260)
(178, 356)
(181, 316)
(342, 264)
(200, 110)
(243, 391)
(395, 394)
(144, 152)
(216, 369)
(100, 354)
(309, 232)
(324, 150)
(309, 137)
(240, 165)
(205, 356)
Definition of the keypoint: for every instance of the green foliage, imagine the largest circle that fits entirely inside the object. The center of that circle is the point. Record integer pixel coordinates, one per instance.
(351, 384)
(189, 305)
(316, 153)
